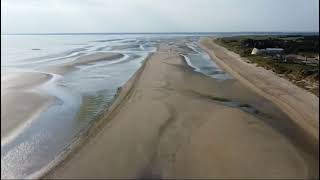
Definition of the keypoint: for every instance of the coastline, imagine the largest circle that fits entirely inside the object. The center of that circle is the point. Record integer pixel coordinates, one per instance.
(160, 103)
(58, 97)
(94, 127)
(301, 105)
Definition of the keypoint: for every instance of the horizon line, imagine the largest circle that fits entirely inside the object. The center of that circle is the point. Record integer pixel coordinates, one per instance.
(110, 33)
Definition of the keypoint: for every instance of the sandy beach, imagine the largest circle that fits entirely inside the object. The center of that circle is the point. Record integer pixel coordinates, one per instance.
(169, 121)
(101, 89)
(300, 105)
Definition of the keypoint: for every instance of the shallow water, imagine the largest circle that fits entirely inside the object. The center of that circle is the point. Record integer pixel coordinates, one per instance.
(81, 92)
(201, 62)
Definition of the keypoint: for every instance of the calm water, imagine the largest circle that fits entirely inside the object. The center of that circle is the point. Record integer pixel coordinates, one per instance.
(80, 93)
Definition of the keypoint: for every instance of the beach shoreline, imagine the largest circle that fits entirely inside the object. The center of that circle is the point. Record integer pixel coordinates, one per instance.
(301, 105)
(161, 102)
(93, 128)
(49, 101)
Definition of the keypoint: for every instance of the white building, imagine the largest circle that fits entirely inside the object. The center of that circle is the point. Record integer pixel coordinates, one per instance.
(274, 51)
(269, 51)
(255, 51)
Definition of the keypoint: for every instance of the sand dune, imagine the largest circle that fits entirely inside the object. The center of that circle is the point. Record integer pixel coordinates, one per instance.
(171, 122)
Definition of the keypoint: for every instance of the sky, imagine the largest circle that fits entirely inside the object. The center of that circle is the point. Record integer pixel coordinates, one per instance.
(114, 16)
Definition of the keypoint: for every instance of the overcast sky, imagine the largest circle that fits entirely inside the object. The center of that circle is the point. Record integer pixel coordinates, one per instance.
(44, 16)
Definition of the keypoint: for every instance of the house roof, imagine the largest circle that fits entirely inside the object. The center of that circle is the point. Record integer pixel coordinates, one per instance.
(274, 49)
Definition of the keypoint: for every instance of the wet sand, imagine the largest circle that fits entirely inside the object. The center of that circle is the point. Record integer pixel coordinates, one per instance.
(90, 59)
(300, 105)
(171, 122)
(16, 97)
(17, 92)
(22, 80)
(96, 57)
(125, 47)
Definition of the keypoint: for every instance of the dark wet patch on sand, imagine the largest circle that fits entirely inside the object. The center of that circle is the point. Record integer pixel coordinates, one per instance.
(229, 102)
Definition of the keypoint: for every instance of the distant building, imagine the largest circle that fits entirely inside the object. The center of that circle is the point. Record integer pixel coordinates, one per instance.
(274, 51)
(255, 51)
(268, 51)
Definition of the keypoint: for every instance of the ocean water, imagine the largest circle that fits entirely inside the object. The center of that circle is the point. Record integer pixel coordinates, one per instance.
(80, 91)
